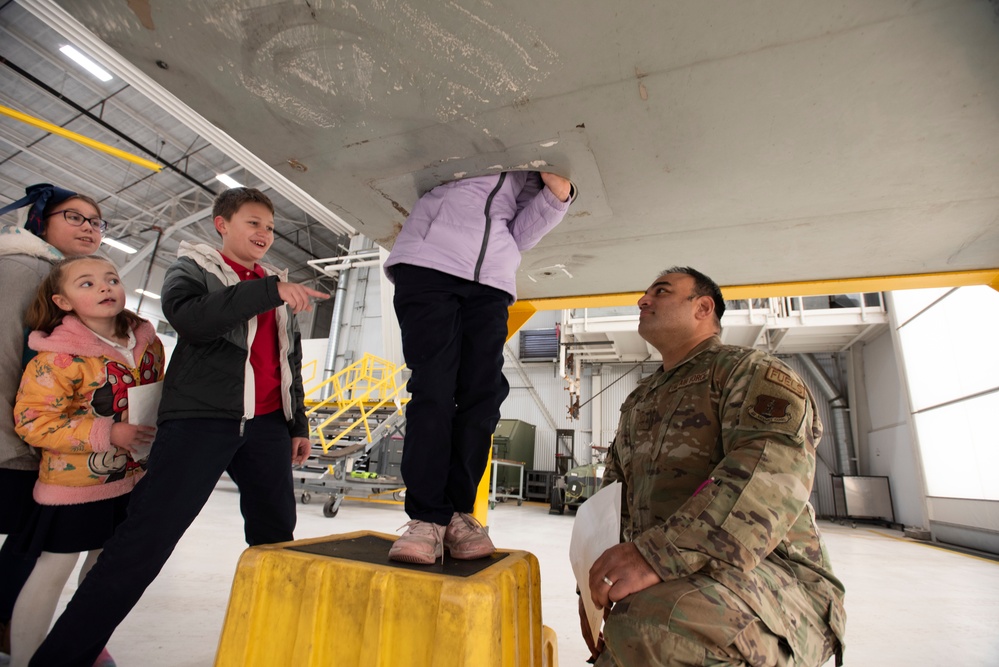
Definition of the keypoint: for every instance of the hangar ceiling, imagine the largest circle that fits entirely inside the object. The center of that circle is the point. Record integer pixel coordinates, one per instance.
(38, 80)
(770, 141)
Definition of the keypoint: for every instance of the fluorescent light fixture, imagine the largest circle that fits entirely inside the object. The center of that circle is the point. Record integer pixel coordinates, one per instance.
(86, 63)
(151, 295)
(118, 245)
(228, 181)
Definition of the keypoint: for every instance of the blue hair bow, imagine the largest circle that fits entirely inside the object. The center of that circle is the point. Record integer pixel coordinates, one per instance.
(38, 196)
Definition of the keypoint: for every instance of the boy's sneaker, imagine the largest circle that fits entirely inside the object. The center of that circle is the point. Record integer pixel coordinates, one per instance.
(466, 538)
(422, 544)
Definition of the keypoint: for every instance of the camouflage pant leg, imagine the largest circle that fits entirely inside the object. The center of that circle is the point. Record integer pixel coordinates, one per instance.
(692, 621)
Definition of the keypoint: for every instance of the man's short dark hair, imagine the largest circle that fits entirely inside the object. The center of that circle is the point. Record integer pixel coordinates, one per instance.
(229, 201)
(703, 286)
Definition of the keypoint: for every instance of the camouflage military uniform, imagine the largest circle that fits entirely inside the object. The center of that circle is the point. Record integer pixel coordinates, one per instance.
(717, 458)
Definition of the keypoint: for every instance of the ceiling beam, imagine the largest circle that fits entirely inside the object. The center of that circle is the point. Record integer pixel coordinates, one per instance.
(156, 164)
(54, 162)
(65, 24)
(136, 259)
(113, 101)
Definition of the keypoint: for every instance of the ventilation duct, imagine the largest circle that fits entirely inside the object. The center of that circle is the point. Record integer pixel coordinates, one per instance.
(840, 410)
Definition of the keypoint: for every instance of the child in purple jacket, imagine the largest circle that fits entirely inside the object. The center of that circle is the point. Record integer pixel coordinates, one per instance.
(454, 266)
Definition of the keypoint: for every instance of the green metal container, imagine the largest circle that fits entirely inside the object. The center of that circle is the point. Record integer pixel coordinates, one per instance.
(513, 441)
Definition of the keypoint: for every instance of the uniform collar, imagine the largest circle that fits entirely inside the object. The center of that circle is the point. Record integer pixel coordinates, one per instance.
(661, 376)
(706, 344)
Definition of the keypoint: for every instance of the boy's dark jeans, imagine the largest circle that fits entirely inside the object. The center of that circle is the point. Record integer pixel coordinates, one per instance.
(187, 459)
(453, 331)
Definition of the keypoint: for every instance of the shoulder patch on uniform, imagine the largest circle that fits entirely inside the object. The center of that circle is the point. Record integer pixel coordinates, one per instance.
(785, 380)
(770, 409)
(689, 380)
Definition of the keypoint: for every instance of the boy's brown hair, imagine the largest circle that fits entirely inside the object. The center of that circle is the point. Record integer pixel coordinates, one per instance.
(44, 315)
(229, 201)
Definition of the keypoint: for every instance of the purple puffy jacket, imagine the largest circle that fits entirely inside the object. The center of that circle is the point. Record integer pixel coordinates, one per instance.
(476, 228)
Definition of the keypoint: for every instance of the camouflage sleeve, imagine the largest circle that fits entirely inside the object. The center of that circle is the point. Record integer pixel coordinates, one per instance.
(761, 484)
(614, 472)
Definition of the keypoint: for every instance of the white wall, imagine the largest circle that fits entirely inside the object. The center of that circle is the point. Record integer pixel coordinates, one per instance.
(890, 450)
(520, 404)
(951, 369)
(616, 380)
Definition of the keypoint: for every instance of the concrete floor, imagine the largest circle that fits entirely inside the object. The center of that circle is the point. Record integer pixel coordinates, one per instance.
(908, 603)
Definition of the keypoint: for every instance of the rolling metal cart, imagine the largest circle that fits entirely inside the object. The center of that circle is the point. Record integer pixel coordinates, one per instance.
(333, 474)
(501, 493)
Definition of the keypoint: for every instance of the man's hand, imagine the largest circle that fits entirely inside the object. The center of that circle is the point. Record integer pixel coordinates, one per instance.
(130, 436)
(560, 187)
(626, 569)
(298, 297)
(300, 449)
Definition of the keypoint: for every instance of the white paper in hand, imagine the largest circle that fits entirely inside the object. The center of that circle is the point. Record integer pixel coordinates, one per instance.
(143, 407)
(597, 528)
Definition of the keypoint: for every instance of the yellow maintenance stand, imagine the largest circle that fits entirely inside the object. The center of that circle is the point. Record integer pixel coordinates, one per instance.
(340, 601)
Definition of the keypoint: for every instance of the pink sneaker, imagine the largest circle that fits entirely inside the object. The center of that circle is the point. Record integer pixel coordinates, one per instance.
(422, 544)
(466, 538)
(104, 659)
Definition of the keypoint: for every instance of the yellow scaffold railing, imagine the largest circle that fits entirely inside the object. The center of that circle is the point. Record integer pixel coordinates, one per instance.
(367, 385)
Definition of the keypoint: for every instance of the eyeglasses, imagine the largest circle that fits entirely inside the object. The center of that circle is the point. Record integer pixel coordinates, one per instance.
(77, 220)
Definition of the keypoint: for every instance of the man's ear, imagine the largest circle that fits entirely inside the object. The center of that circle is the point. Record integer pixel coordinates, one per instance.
(220, 225)
(62, 302)
(705, 307)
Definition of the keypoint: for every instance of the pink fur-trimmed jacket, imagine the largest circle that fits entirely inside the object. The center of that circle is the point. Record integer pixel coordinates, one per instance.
(71, 394)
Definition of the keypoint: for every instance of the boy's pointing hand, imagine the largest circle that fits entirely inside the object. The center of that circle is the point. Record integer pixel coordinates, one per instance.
(299, 297)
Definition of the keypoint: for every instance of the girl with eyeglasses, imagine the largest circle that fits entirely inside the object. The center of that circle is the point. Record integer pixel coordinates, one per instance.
(60, 223)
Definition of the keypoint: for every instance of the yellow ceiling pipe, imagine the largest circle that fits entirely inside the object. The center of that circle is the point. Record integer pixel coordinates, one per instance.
(79, 138)
(806, 288)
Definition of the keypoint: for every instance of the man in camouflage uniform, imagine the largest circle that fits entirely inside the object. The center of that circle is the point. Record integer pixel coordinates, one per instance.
(721, 563)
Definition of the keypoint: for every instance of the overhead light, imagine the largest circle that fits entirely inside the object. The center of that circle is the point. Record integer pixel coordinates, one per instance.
(86, 63)
(228, 181)
(118, 245)
(151, 295)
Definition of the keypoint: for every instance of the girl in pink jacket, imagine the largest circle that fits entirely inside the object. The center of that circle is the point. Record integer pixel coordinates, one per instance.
(72, 404)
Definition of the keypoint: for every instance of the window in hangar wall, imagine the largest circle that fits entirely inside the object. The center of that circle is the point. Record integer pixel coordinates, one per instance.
(952, 369)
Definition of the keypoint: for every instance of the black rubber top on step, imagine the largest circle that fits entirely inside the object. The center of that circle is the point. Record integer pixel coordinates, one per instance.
(373, 549)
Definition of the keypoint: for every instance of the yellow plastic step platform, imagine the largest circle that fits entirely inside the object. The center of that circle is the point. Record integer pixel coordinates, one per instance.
(339, 601)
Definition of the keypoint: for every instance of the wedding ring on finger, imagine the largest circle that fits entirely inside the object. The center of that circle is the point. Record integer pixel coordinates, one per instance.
(608, 581)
